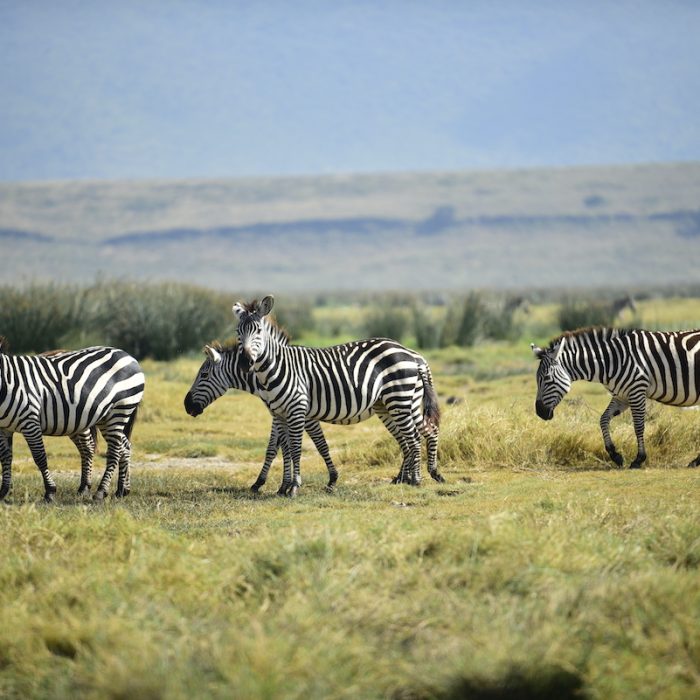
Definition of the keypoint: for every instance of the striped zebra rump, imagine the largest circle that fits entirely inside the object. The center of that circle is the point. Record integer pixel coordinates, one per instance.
(71, 393)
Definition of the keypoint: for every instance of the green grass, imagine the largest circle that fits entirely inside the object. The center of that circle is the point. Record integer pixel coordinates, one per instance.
(536, 570)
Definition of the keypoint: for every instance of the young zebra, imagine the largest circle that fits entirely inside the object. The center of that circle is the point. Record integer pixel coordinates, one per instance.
(67, 394)
(227, 368)
(634, 365)
(343, 384)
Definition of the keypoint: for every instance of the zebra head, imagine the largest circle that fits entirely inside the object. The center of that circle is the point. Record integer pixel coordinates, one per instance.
(553, 381)
(251, 330)
(211, 382)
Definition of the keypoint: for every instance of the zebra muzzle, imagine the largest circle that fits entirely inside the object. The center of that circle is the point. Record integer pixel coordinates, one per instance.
(543, 412)
(192, 407)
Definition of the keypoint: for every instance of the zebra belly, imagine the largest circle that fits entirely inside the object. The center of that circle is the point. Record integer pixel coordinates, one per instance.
(346, 420)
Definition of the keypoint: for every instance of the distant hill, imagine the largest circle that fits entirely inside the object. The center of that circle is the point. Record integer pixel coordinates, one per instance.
(575, 227)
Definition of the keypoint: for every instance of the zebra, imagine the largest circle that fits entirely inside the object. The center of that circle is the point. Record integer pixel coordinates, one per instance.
(343, 384)
(634, 365)
(68, 393)
(227, 368)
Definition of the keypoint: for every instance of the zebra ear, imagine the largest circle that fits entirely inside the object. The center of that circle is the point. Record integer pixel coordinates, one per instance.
(238, 310)
(538, 351)
(212, 354)
(558, 349)
(265, 306)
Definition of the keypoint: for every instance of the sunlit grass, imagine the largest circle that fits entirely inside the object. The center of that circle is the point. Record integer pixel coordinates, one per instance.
(536, 568)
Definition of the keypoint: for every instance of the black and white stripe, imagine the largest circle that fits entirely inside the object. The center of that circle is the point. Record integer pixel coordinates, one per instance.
(635, 365)
(227, 368)
(85, 442)
(68, 393)
(343, 384)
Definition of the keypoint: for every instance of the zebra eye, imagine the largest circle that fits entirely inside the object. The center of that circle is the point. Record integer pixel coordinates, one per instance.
(205, 374)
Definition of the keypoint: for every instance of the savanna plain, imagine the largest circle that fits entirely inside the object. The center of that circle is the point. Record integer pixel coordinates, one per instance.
(537, 570)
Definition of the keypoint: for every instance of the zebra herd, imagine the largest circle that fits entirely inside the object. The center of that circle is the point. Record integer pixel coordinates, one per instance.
(77, 393)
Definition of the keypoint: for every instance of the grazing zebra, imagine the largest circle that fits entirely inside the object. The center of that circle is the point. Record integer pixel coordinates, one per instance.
(634, 365)
(68, 393)
(227, 368)
(343, 384)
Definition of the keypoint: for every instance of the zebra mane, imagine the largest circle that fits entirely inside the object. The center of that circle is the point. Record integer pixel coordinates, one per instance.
(229, 345)
(605, 331)
(280, 334)
(251, 306)
(277, 332)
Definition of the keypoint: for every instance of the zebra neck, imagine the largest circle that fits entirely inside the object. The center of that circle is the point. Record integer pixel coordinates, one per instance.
(583, 359)
(268, 361)
(238, 378)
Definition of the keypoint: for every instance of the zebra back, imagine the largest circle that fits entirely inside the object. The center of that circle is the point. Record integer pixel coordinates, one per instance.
(68, 391)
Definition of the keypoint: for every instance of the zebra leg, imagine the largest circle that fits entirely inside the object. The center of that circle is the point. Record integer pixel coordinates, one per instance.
(638, 407)
(86, 447)
(388, 422)
(404, 475)
(404, 424)
(615, 408)
(113, 439)
(273, 446)
(35, 441)
(315, 432)
(287, 466)
(295, 432)
(124, 480)
(431, 442)
(6, 461)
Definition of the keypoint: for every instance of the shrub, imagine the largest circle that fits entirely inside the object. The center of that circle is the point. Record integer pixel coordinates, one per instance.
(471, 321)
(295, 316)
(160, 320)
(425, 329)
(41, 316)
(386, 323)
(582, 314)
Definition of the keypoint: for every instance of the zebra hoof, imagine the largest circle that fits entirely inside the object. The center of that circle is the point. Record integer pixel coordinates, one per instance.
(330, 488)
(83, 489)
(617, 458)
(438, 477)
(99, 496)
(292, 493)
(255, 488)
(3, 492)
(636, 465)
(122, 493)
(50, 497)
(693, 464)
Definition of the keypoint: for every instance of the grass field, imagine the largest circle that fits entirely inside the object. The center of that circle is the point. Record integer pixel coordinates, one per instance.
(536, 571)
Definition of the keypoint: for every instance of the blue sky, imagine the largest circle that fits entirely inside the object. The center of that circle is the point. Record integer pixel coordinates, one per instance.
(173, 89)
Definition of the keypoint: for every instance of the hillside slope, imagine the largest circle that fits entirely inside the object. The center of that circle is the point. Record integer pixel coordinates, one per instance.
(541, 227)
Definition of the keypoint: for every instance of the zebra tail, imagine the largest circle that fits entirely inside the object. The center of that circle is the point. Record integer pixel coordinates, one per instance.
(130, 425)
(431, 407)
